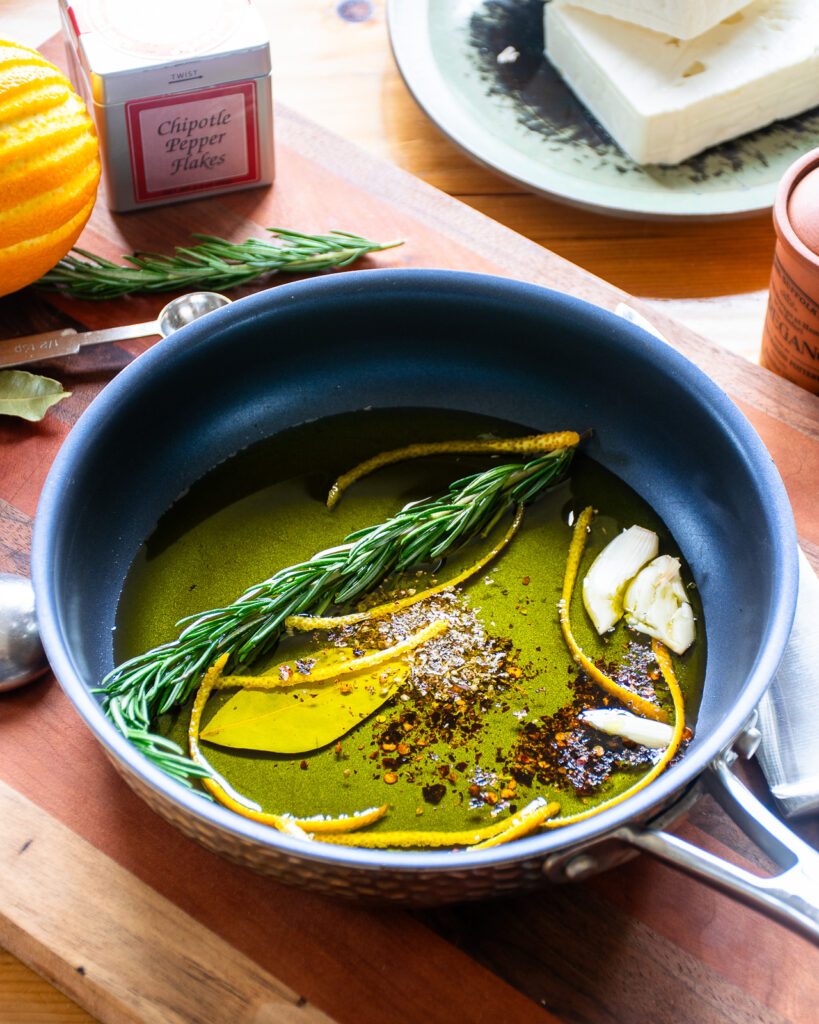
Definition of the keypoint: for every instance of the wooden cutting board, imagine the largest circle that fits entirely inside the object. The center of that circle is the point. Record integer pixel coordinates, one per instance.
(139, 924)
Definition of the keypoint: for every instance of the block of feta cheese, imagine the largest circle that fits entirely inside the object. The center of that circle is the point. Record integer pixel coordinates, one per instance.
(664, 99)
(683, 19)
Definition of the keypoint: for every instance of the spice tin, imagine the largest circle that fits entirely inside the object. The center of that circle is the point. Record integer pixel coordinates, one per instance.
(180, 93)
(790, 343)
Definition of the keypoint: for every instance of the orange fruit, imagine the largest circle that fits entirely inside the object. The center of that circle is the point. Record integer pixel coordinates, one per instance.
(49, 166)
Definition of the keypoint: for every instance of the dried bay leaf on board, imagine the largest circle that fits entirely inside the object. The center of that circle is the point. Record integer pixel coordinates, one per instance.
(28, 395)
(303, 717)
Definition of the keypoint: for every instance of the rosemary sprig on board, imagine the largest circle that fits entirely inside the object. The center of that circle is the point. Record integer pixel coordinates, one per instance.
(213, 264)
(152, 683)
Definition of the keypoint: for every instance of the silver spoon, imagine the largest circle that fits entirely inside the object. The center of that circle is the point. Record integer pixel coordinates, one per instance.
(22, 658)
(179, 312)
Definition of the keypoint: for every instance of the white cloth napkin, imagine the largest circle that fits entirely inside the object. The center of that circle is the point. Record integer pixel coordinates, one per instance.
(789, 711)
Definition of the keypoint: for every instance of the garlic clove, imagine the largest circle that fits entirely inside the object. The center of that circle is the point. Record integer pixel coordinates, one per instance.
(617, 722)
(656, 603)
(610, 572)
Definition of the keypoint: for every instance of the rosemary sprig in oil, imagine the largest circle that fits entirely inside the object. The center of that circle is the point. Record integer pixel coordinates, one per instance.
(213, 263)
(152, 683)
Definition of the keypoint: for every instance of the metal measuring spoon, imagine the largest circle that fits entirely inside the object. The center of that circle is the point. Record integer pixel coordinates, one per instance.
(22, 658)
(180, 311)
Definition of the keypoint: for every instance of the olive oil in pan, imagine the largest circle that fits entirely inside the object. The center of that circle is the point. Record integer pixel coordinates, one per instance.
(488, 719)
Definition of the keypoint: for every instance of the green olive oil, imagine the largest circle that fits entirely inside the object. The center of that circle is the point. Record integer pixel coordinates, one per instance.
(444, 755)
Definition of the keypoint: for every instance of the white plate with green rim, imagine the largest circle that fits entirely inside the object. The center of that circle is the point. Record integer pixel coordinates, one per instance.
(519, 118)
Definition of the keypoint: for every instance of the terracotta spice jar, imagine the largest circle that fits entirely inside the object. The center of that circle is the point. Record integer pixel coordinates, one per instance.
(790, 343)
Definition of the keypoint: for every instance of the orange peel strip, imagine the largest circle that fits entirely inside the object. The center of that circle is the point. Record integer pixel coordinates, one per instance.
(632, 700)
(535, 443)
(667, 670)
(346, 823)
(522, 824)
(310, 622)
(393, 840)
(363, 664)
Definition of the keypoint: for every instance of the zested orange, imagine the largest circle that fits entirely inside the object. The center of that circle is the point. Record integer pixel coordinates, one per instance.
(49, 166)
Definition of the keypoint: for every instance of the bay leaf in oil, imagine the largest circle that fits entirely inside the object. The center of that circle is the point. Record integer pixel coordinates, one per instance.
(301, 718)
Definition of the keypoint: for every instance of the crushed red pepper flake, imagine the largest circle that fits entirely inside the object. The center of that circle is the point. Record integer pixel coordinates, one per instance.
(561, 750)
(435, 793)
(458, 677)
(456, 681)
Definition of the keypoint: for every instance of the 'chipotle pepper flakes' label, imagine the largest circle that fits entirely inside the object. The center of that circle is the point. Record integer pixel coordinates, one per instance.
(790, 345)
(194, 141)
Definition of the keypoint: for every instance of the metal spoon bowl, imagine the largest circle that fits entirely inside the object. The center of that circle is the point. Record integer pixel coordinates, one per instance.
(185, 309)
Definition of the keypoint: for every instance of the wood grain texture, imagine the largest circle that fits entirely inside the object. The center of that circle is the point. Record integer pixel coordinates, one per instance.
(697, 956)
(619, 938)
(115, 932)
(27, 998)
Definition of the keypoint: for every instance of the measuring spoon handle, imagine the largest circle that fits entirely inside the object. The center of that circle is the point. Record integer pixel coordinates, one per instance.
(36, 347)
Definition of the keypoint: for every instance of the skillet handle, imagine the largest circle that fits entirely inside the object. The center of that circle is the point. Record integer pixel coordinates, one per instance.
(791, 897)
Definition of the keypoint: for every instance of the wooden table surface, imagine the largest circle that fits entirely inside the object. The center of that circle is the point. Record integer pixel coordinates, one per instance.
(340, 73)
